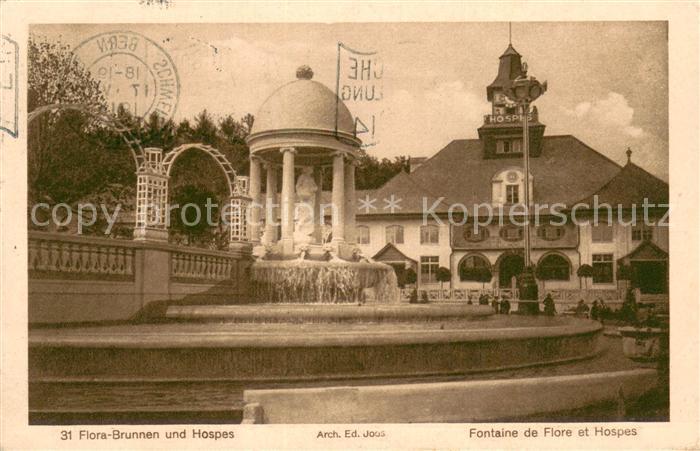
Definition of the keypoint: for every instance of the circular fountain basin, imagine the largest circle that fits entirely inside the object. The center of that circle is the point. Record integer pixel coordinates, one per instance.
(307, 351)
(327, 313)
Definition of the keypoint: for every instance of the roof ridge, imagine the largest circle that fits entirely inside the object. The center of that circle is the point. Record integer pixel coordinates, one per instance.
(605, 157)
(423, 165)
(646, 172)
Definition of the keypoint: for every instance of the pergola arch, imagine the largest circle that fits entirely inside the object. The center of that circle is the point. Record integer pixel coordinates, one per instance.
(215, 153)
(152, 194)
(103, 116)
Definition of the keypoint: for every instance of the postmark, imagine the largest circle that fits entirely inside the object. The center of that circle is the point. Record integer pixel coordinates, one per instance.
(9, 90)
(360, 86)
(135, 73)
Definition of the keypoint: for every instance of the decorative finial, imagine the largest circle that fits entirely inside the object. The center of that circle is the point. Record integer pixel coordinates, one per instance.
(305, 73)
(510, 33)
(629, 155)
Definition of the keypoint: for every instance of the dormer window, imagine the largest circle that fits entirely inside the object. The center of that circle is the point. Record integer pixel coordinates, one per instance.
(509, 146)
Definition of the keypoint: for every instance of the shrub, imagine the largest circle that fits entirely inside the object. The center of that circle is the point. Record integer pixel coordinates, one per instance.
(443, 275)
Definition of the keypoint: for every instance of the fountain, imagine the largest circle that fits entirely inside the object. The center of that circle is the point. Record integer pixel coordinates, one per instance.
(309, 323)
(303, 128)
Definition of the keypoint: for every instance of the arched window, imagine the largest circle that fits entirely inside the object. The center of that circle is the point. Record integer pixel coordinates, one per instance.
(394, 234)
(362, 234)
(429, 234)
(553, 267)
(473, 268)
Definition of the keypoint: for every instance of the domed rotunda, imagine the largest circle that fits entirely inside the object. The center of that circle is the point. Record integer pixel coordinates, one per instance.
(302, 128)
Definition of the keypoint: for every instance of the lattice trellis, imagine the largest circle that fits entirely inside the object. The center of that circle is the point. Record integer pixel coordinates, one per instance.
(220, 158)
(151, 192)
(238, 218)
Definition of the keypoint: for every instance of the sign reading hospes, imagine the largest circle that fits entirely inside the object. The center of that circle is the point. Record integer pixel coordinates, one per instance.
(360, 87)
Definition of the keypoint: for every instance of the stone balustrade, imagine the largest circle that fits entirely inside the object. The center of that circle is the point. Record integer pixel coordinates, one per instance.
(198, 266)
(53, 255)
(84, 278)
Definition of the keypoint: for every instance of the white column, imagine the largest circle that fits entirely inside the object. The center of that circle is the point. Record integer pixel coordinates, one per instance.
(270, 200)
(254, 193)
(318, 215)
(350, 201)
(338, 198)
(287, 199)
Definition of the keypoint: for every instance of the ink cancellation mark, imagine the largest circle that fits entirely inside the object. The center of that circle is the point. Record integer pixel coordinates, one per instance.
(134, 72)
(9, 90)
(359, 84)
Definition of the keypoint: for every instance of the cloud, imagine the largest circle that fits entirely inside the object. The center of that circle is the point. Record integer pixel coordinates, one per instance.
(607, 125)
(612, 111)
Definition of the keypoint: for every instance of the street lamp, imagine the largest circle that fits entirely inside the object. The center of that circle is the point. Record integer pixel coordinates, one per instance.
(523, 91)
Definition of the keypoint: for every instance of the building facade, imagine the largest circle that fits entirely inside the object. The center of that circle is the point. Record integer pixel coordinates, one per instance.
(442, 219)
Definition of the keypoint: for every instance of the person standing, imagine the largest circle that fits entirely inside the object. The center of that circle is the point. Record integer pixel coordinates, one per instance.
(595, 310)
(549, 308)
(505, 306)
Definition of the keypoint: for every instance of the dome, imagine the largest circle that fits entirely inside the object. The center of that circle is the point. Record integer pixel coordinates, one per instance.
(303, 104)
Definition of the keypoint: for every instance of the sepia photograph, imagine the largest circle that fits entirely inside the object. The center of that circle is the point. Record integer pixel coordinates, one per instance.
(275, 227)
(336, 223)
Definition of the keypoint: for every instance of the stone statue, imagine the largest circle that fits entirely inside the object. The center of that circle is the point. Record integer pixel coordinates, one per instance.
(304, 221)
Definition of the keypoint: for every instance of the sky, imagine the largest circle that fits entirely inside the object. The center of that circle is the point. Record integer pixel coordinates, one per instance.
(607, 81)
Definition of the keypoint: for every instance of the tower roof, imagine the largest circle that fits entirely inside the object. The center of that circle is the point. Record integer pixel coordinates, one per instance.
(510, 67)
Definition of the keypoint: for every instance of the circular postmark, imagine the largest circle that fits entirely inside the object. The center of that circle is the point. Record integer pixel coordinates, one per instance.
(135, 73)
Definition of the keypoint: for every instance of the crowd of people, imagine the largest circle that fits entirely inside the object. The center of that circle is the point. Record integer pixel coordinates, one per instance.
(501, 305)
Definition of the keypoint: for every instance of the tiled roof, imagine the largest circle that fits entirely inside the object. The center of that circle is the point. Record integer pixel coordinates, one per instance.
(566, 171)
(631, 185)
(391, 253)
(646, 251)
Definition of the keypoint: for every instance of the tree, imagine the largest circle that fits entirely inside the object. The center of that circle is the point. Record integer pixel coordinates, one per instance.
(584, 272)
(624, 272)
(443, 275)
(483, 275)
(190, 218)
(372, 173)
(410, 276)
(70, 154)
(544, 274)
(232, 141)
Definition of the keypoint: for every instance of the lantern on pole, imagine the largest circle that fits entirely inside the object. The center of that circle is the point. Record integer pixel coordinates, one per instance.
(523, 91)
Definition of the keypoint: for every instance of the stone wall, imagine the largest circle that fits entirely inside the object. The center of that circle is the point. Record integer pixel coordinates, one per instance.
(83, 279)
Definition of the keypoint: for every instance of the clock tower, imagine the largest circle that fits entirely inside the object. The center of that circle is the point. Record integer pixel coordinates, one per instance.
(501, 133)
